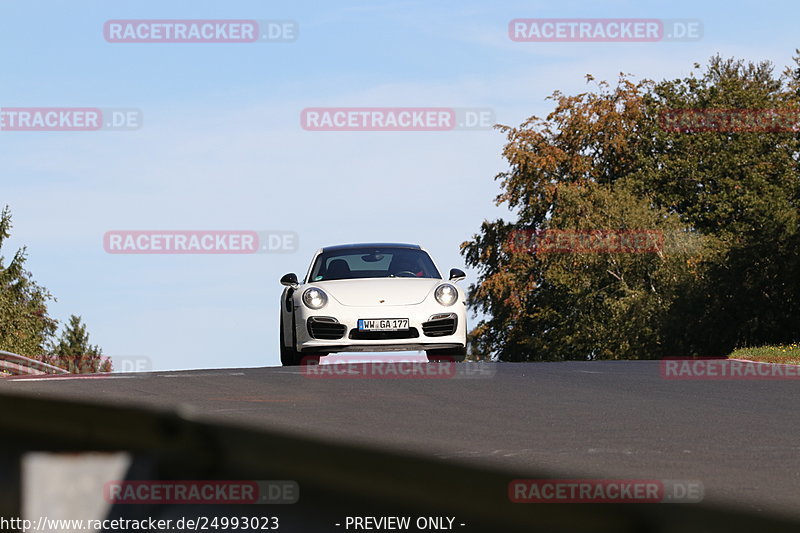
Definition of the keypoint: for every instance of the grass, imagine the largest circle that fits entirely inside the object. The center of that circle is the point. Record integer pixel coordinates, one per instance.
(787, 354)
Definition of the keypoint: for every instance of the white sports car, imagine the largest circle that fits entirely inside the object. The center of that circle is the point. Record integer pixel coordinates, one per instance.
(372, 297)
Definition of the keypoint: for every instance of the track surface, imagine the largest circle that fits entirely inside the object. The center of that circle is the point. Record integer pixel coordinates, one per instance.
(592, 419)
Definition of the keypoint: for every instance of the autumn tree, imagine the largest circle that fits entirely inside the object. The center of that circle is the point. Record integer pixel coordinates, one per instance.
(726, 272)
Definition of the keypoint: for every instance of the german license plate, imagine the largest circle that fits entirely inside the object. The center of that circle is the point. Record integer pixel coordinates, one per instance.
(382, 324)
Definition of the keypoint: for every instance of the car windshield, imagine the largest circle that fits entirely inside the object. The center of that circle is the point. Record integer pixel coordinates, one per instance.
(357, 263)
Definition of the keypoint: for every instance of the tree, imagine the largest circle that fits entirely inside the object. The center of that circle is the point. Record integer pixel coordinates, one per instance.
(726, 203)
(743, 188)
(73, 351)
(25, 326)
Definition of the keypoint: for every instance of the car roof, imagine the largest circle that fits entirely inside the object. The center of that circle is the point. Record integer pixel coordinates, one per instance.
(340, 247)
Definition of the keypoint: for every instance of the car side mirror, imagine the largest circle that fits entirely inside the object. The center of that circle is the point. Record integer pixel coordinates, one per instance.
(290, 280)
(457, 274)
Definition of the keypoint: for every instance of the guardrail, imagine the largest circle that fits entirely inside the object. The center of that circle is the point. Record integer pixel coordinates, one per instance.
(19, 365)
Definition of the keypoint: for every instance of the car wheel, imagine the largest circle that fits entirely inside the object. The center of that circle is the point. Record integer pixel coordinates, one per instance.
(289, 356)
(446, 355)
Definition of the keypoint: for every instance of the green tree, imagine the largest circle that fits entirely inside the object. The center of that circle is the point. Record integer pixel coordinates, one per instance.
(73, 352)
(25, 326)
(725, 201)
(743, 188)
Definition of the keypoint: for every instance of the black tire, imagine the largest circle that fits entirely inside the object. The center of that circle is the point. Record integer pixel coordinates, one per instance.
(289, 355)
(443, 355)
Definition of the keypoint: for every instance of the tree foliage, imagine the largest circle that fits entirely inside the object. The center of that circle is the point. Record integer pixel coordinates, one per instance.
(25, 326)
(726, 203)
(73, 352)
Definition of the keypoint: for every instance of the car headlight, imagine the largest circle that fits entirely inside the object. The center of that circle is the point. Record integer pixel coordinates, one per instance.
(315, 298)
(446, 294)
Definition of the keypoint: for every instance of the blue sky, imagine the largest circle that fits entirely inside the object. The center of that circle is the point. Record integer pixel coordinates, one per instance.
(221, 145)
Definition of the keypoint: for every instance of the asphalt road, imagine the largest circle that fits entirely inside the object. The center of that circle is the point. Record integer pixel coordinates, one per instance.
(741, 439)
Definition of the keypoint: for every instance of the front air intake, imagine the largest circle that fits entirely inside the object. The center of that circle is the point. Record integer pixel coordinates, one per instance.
(440, 325)
(325, 328)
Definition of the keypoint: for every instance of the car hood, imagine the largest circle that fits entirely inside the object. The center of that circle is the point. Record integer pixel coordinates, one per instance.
(379, 292)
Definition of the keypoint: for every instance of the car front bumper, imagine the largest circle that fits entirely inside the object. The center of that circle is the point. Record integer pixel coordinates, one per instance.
(428, 328)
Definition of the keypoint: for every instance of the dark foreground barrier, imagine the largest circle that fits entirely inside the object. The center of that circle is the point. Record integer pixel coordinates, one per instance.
(338, 487)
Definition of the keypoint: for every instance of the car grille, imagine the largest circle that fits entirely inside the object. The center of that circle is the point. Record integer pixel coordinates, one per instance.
(355, 334)
(440, 325)
(325, 328)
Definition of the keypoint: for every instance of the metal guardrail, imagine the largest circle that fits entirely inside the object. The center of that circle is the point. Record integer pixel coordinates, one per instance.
(19, 365)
